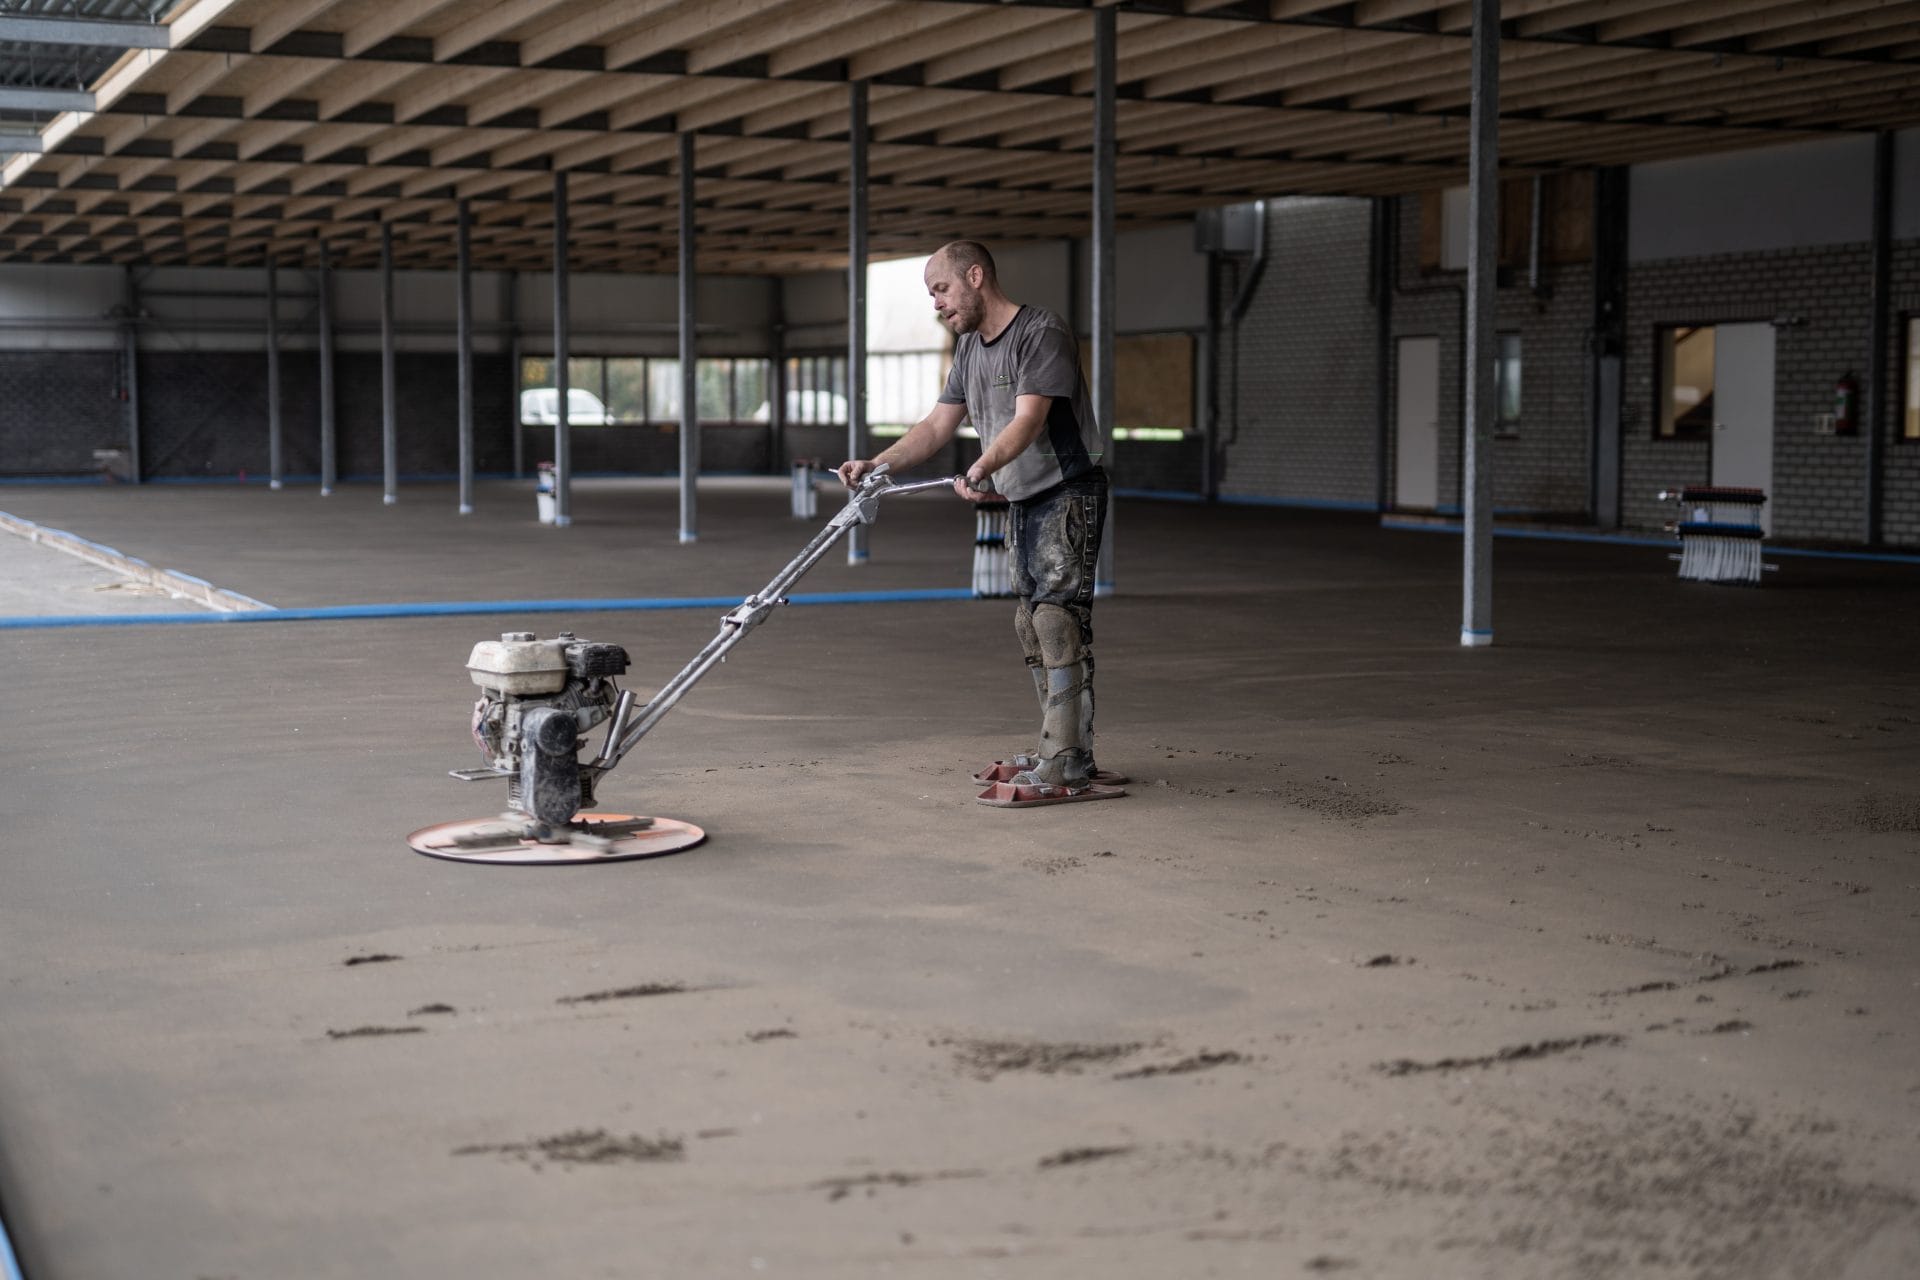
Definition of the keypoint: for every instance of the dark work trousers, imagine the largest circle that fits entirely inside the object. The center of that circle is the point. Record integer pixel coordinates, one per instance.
(1054, 543)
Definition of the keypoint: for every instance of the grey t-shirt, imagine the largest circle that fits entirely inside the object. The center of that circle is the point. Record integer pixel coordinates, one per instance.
(1035, 355)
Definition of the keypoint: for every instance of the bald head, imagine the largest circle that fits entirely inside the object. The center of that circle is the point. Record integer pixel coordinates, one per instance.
(961, 255)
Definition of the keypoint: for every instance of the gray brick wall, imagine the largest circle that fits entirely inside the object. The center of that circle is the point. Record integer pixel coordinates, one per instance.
(204, 413)
(56, 408)
(1307, 370)
(1819, 481)
(1306, 428)
(1542, 469)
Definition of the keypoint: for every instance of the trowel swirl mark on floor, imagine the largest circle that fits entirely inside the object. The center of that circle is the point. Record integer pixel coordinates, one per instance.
(841, 1188)
(1511, 1053)
(1202, 1061)
(642, 991)
(1718, 974)
(358, 1032)
(585, 1146)
(986, 1059)
(1082, 1155)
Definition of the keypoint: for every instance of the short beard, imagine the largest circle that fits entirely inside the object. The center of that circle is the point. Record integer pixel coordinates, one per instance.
(967, 319)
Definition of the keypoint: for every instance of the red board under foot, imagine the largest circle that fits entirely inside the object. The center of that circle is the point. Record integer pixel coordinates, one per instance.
(1004, 771)
(493, 840)
(1021, 795)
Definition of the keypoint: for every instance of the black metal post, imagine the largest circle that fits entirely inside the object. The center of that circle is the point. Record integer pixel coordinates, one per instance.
(1476, 621)
(329, 469)
(857, 293)
(1105, 56)
(276, 462)
(463, 322)
(563, 415)
(689, 353)
(389, 415)
(1873, 409)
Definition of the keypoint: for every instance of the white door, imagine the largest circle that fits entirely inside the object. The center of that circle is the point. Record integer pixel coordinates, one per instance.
(1743, 410)
(1416, 467)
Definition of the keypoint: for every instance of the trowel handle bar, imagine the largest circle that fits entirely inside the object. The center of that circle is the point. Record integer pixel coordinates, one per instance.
(862, 508)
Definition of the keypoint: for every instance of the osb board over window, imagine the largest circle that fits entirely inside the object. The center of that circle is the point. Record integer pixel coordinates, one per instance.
(1152, 380)
(1566, 222)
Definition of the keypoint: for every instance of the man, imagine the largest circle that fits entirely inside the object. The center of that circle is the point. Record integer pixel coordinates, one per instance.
(1016, 376)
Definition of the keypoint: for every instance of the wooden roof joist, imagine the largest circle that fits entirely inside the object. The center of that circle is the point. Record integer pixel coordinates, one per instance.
(322, 114)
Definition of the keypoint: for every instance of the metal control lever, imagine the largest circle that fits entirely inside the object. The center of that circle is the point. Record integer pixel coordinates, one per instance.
(863, 507)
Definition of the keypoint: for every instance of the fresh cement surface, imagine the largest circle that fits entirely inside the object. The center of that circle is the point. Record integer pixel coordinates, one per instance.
(1589, 954)
(37, 580)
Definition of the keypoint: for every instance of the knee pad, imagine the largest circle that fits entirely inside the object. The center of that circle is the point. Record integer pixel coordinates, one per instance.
(1059, 635)
(1029, 638)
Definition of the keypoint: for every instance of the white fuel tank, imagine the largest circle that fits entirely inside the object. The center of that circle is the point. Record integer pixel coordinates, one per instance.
(517, 663)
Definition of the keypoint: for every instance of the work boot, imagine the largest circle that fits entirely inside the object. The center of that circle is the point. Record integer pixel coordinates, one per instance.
(1065, 758)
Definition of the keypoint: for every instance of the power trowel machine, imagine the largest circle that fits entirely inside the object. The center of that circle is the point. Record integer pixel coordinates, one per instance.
(540, 699)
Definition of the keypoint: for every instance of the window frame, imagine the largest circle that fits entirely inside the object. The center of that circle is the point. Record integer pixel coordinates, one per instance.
(1909, 432)
(1695, 433)
(1505, 428)
(601, 387)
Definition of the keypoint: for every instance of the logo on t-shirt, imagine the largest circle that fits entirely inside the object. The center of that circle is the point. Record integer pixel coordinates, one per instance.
(1002, 379)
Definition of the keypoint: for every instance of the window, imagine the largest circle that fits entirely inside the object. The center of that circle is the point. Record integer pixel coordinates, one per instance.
(1910, 419)
(1684, 356)
(901, 388)
(817, 390)
(663, 391)
(1506, 386)
(639, 390)
(627, 389)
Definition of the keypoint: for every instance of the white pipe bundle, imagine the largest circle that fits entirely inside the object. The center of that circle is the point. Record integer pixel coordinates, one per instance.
(1720, 535)
(804, 497)
(1723, 553)
(992, 575)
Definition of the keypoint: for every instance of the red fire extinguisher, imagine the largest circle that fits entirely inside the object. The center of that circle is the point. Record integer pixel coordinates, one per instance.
(1846, 399)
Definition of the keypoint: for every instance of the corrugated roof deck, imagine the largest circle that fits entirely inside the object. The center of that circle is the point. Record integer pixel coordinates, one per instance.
(268, 126)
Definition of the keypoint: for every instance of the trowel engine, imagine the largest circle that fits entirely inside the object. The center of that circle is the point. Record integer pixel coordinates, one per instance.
(539, 699)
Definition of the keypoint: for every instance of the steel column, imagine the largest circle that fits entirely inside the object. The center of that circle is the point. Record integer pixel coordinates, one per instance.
(132, 344)
(1873, 409)
(857, 293)
(510, 309)
(463, 321)
(689, 355)
(563, 414)
(276, 462)
(1386, 275)
(389, 415)
(329, 469)
(1483, 204)
(777, 380)
(1105, 52)
(1609, 330)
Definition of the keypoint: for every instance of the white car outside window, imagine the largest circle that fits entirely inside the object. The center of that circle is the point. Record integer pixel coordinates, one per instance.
(539, 406)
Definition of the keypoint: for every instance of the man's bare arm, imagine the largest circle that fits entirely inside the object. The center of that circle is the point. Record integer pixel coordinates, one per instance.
(1029, 421)
(924, 439)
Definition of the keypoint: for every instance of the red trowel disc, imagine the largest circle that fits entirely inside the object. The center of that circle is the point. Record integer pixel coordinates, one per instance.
(492, 840)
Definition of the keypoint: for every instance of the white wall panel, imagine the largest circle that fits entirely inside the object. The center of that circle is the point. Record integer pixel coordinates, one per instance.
(33, 299)
(1796, 196)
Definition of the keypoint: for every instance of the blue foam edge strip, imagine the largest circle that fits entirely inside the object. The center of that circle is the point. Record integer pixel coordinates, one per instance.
(1544, 535)
(467, 608)
(1306, 504)
(1618, 540)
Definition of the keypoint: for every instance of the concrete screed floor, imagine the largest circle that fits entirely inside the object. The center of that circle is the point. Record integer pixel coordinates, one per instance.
(1590, 954)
